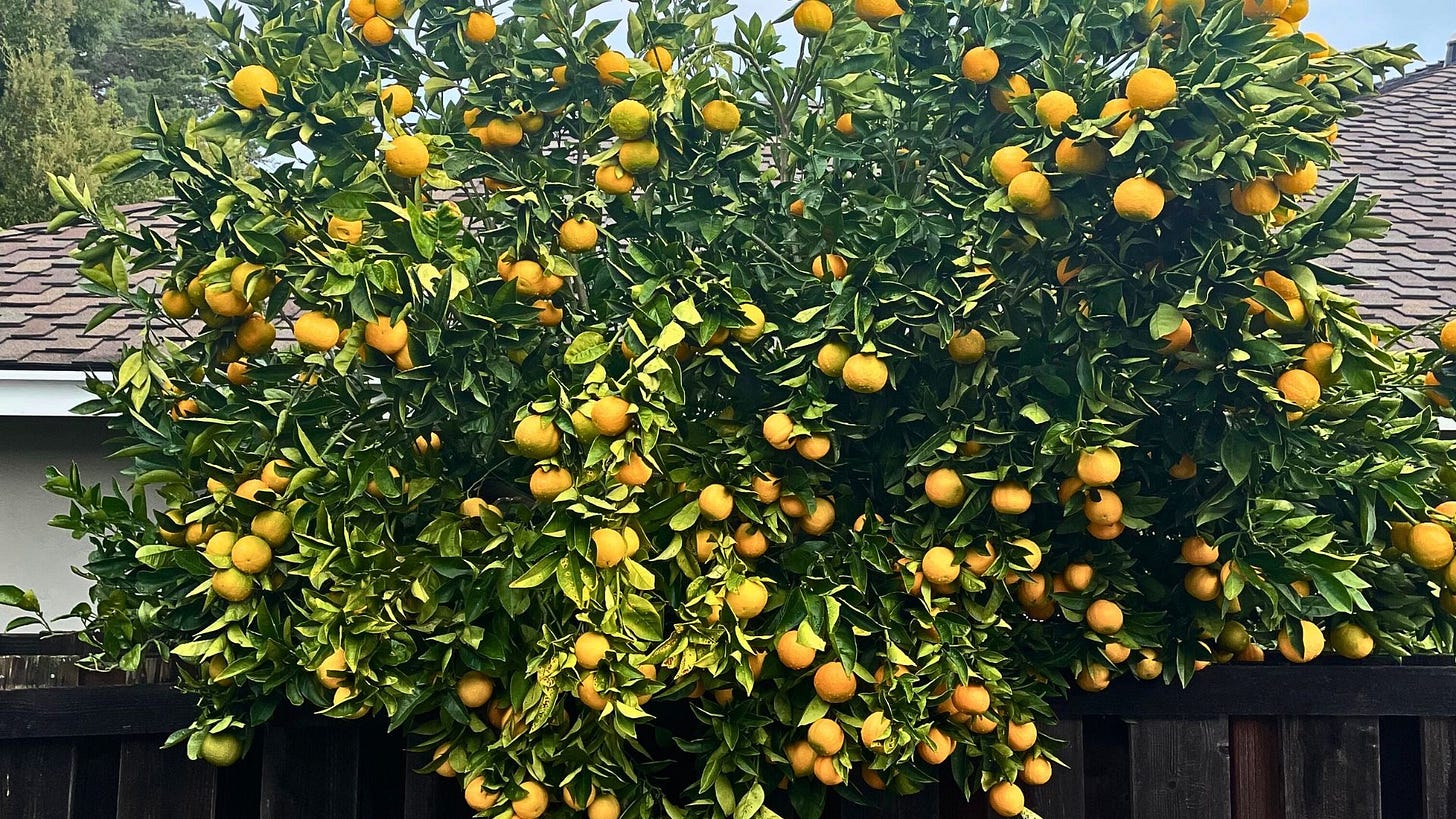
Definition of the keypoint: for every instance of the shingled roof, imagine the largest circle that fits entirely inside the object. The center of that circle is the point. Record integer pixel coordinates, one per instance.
(44, 311)
(1403, 147)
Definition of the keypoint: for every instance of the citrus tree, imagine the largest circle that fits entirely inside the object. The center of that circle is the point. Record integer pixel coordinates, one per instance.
(810, 408)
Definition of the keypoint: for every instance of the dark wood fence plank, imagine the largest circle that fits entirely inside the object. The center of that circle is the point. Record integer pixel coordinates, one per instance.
(35, 779)
(90, 711)
(36, 776)
(1438, 766)
(147, 772)
(923, 805)
(1065, 797)
(1180, 769)
(1279, 689)
(1255, 770)
(310, 772)
(1331, 767)
(953, 802)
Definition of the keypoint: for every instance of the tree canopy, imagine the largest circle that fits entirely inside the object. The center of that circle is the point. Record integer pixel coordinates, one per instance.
(814, 411)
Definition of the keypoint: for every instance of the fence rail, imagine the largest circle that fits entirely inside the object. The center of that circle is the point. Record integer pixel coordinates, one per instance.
(1324, 741)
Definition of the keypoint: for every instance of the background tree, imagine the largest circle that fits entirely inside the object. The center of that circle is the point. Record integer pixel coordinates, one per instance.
(75, 76)
(801, 416)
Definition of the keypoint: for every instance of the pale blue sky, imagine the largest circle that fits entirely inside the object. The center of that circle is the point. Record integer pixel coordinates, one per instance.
(1427, 23)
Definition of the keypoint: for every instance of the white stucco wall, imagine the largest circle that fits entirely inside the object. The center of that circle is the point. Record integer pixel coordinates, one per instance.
(34, 555)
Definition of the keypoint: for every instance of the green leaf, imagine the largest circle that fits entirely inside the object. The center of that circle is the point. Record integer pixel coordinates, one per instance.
(586, 348)
(537, 574)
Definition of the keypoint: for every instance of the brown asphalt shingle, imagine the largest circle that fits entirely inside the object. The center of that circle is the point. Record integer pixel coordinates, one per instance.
(1403, 148)
(44, 311)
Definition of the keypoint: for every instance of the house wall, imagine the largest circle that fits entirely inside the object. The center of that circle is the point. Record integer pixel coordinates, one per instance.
(33, 555)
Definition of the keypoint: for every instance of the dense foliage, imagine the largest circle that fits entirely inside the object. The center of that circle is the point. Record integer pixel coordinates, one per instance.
(829, 408)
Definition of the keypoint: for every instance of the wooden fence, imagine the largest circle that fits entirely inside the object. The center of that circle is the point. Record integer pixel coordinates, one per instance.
(1326, 741)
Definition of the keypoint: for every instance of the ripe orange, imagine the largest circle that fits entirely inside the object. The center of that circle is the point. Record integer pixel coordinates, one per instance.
(1010, 498)
(971, 698)
(611, 179)
(1122, 109)
(1020, 736)
(480, 27)
(748, 600)
(749, 541)
(877, 11)
(549, 482)
(1081, 158)
(638, 156)
(1202, 583)
(874, 731)
(1298, 181)
(1008, 163)
(1078, 576)
(1351, 641)
(533, 801)
(1006, 799)
(610, 415)
(980, 65)
(819, 519)
(1035, 770)
(966, 347)
(610, 65)
(826, 737)
(766, 487)
(1314, 643)
(659, 58)
(1299, 388)
(250, 85)
(1099, 467)
(1016, 87)
(1103, 507)
(1151, 89)
(1030, 192)
(837, 264)
(801, 758)
(1104, 617)
(721, 116)
(477, 797)
(1054, 108)
(590, 649)
(610, 546)
(834, 683)
(1431, 546)
(715, 502)
(792, 654)
(812, 447)
(474, 689)
(1139, 200)
(865, 373)
(813, 18)
(1198, 552)
(407, 157)
(1256, 198)
(936, 747)
(778, 430)
(945, 488)
(827, 772)
(940, 565)
(377, 31)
